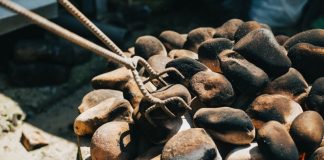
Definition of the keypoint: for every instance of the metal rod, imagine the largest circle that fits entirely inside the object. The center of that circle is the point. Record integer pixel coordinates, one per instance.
(62, 32)
(92, 27)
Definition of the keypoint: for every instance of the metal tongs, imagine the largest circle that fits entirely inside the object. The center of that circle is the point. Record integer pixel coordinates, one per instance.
(116, 54)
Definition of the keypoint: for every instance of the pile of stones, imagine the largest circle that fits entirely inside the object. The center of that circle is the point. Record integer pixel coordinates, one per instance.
(253, 95)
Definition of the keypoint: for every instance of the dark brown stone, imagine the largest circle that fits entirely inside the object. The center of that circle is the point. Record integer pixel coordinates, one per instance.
(112, 141)
(111, 109)
(315, 99)
(172, 40)
(275, 142)
(187, 67)
(190, 144)
(291, 84)
(197, 36)
(308, 60)
(243, 75)
(281, 39)
(313, 36)
(273, 107)
(209, 50)
(307, 131)
(228, 29)
(247, 27)
(147, 46)
(261, 48)
(181, 53)
(213, 89)
(226, 124)
(96, 96)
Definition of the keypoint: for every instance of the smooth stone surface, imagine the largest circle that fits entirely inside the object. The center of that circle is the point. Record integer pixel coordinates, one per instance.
(308, 60)
(209, 50)
(158, 62)
(147, 46)
(172, 40)
(181, 53)
(318, 154)
(112, 109)
(243, 75)
(281, 39)
(190, 144)
(275, 142)
(313, 36)
(112, 141)
(164, 126)
(261, 48)
(119, 79)
(197, 36)
(291, 84)
(315, 99)
(96, 96)
(249, 152)
(228, 29)
(247, 27)
(166, 92)
(213, 89)
(187, 67)
(226, 124)
(307, 131)
(273, 107)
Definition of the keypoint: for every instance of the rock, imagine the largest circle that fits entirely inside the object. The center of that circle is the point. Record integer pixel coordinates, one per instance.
(38, 74)
(308, 60)
(209, 50)
(111, 109)
(190, 144)
(96, 96)
(164, 126)
(281, 39)
(197, 36)
(315, 99)
(119, 79)
(147, 46)
(228, 29)
(261, 48)
(187, 67)
(158, 62)
(226, 124)
(166, 92)
(307, 131)
(313, 36)
(275, 142)
(249, 152)
(318, 154)
(181, 53)
(172, 40)
(213, 89)
(243, 75)
(247, 27)
(112, 141)
(273, 107)
(33, 139)
(291, 84)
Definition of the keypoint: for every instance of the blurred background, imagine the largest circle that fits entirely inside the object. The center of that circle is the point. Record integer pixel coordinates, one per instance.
(43, 77)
